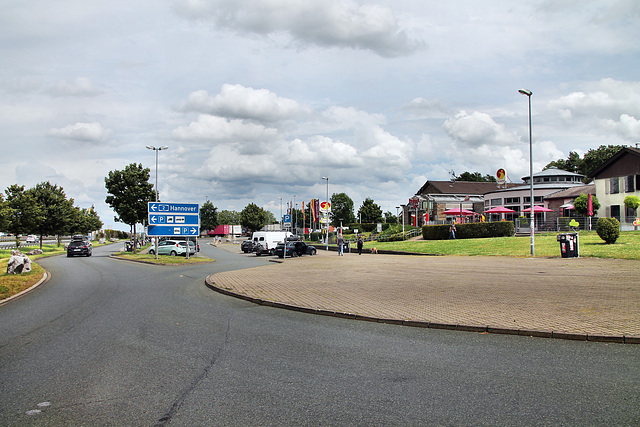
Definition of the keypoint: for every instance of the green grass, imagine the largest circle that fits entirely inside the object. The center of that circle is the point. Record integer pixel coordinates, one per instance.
(163, 259)
(591, 245)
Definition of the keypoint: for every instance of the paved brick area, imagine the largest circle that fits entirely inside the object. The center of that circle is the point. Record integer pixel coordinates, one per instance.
(579, 298)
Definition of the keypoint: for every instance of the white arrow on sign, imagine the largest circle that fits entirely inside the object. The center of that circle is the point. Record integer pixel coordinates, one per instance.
(153, 207)
(194, 230)
(153, 219)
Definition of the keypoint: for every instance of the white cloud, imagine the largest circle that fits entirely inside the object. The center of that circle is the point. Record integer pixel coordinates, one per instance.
(212, 128)
(85, 132)
(237, 101)
(477, 129)
(327, 23)
(604, 107)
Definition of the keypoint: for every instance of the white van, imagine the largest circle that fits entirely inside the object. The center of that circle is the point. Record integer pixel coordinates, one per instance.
(267, 241)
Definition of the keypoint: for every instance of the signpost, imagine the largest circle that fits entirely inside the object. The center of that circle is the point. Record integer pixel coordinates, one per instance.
(174, 220)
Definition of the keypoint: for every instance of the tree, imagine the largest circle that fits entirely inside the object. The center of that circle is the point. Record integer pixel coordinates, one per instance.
(253, 217)
(475, 177)
(369, 212)
(129, 193)
(341, 209)
(390, 218)
(5, 213)
(632, 202)
(57, 210)
(581, 204)
(571, 164)
(589, 162)
(229, 217)
(85, 221)
(208, 216)
(24, 212)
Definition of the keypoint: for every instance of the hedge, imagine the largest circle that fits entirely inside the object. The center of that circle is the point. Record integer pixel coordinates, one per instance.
(473, 230)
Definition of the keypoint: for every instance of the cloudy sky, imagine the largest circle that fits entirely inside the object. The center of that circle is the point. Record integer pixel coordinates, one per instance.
(259, 99)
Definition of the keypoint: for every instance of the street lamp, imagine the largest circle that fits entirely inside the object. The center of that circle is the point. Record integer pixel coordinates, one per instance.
(528, 94)
(397, 216)
(327, 223)
(281, 226)
(156, 149)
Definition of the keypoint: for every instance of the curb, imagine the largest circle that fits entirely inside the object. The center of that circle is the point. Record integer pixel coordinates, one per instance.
(45, 277)
(484, 329)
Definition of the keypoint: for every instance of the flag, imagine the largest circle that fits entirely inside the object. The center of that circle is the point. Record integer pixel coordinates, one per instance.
(589, 205)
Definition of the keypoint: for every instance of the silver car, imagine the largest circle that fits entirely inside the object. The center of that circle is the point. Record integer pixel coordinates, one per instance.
(174, 248)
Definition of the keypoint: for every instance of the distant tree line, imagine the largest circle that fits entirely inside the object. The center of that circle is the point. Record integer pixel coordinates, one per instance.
(44, 210)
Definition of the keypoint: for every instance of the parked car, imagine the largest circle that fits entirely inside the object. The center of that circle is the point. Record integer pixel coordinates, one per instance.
(174, 248)
(78, 247)
(295, 249)
(31, 239)
(246, 246)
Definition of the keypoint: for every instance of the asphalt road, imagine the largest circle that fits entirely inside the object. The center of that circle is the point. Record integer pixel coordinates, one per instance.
(108, 342)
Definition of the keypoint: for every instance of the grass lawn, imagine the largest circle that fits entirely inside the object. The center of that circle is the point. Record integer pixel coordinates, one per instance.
(591, 245)
(163, 259)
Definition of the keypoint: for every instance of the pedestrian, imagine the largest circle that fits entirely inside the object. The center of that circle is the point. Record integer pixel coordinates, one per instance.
(452, 230)
(360, 243)
(340, 245)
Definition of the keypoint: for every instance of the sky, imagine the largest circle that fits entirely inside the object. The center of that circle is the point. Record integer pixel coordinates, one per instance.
(257, 100)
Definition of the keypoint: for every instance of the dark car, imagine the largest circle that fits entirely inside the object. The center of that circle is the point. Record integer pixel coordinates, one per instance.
(79, 247)
(295, 249)
(246, 246)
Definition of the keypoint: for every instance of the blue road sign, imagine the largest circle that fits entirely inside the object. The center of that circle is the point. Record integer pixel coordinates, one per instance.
(162, 219)
(174, 208)
(286, 219)
(173, 230)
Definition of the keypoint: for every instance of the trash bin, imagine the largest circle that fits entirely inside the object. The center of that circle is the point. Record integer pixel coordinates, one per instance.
(568, 245)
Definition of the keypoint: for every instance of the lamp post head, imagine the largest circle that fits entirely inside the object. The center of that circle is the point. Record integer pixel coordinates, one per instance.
(525, 92)
(151, 147)
(164, 147)
(324, 177)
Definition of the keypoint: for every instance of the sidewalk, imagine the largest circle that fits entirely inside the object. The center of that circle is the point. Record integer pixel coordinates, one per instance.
(577, 298)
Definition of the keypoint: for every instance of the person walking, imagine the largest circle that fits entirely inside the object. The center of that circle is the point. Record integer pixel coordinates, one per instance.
(360, 243)
(452, 230)
(340, 245)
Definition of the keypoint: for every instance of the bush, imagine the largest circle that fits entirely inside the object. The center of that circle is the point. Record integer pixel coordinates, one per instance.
(474, 230)
(608, 229)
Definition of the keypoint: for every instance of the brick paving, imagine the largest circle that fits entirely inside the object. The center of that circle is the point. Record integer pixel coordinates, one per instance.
(577, 298)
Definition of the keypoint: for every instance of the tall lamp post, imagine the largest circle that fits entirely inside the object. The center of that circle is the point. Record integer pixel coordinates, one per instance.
(327, 223)
(528, 94)
(156, 149)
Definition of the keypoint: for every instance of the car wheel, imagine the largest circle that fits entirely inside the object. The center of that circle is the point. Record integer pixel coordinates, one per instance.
(152, 252)
(313, 252)
(173, 253)
(68, 255)
(294, 254)
(258, 254)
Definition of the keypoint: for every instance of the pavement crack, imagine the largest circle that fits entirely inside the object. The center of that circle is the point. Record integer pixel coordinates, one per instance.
(175, 406)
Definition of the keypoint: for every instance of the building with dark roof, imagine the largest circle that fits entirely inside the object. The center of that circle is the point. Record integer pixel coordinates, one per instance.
(615, 179)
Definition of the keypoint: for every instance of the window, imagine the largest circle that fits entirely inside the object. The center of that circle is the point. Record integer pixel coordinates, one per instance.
(536, 199)
(496, 202)
(511, 200)
(629, 182)
(629, 214)
(614, 187)
(615, 212)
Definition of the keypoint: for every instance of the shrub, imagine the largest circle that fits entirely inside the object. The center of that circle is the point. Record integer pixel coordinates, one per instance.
(608, 229)
(474, 230)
